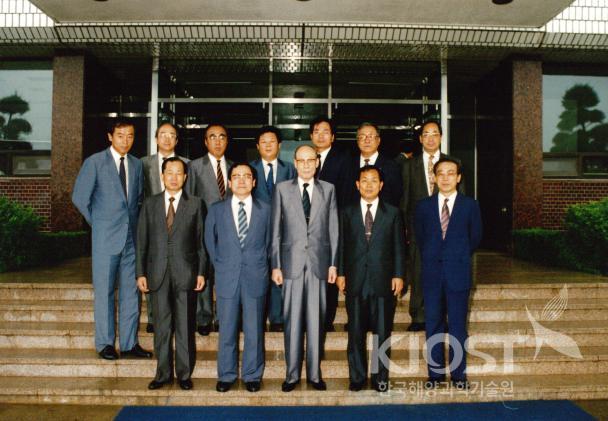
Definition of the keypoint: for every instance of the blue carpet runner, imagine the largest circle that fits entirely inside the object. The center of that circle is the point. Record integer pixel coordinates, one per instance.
(520, 410)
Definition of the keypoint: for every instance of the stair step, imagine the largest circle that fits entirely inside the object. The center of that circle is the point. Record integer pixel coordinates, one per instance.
(86, 363)
(133, 391)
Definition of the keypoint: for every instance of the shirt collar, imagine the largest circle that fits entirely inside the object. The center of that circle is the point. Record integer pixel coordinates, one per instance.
(176, 196)
(214, 159)
(425, 155)
(115, 154)
(324, 154)
(161, 157)
(274, 162)
(450, 198)
(301, 182)
(374, 203)
(372, 159)
(248, 201)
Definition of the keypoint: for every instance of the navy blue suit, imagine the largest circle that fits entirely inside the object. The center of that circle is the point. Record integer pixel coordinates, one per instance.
(284, 171)
(241, 279)
(446, 276)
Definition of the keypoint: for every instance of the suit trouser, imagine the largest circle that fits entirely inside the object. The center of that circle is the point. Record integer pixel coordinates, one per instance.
(304, 308)
(332, 305)
(108, 270)
(228, 310)
(416, 308)
(149, 311)
(204, 302)
(275, 304)
(440, 302)
(368, 313)
(174, 309)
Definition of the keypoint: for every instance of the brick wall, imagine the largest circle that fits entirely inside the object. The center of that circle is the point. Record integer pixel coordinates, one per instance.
(559, 194)
(34, 192)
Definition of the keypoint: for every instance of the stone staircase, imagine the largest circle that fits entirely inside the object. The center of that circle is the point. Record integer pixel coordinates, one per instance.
(528, 341)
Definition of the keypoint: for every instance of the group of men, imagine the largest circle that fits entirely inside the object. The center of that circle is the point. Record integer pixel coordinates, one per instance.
(277, 240)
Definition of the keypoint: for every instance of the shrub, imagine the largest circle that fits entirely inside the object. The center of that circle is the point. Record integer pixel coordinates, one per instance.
(18, 234)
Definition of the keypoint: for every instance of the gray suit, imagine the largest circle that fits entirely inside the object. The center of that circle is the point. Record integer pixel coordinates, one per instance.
(202, 183)
(304, 254)
(153, 186)
(171, 261)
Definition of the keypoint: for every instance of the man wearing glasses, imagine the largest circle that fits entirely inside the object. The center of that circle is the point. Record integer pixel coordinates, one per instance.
(418, 183)
(304, 260)
(207, 179)
(166, 140)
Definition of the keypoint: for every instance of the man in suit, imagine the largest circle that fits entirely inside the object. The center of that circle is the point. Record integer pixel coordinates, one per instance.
(448, 230)
(304, 259)
(207, 179)
(274, 170)
(368, 142)
(171, 263)
(333, 165)
(166, 139)
(237, 236)
(371, 270)
(418, 183)
(108, 193)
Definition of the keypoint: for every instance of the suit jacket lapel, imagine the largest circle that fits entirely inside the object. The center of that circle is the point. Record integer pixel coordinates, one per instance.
(254, 219)
(317, 197)
(297, 200)
(232, 231)
(114, 176)
(281, 171)
(182, 206)
(261, 184)
(131, 177)
(161, 213)
(154, 174)
(359, 222)
(455, 213)
(378, 221)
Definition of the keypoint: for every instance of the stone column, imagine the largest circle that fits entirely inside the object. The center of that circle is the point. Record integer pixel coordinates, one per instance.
(66, 140)
(527, 144)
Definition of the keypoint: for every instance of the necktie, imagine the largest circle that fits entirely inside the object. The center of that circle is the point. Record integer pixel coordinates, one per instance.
(123, 175)
(306, 202)
(243, 228)
(430, 175)
(220, 179)
(366, 162)
(369, 221)
(445, 218)
(270, 180)
(170, 214)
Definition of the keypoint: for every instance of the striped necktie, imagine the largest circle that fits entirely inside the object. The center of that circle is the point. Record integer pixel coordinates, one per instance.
(220, 179)
(445, 218)
(243, 227)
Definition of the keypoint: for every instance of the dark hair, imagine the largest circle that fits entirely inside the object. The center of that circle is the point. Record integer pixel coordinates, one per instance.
(448, 159)
(165, 123)
(306, 145)
(173, 159)
(254, 173)
(215, 124)
(367, 168)
(368, 124)
(425, 123)
(268, 129)
(319, 120)
(117, 124)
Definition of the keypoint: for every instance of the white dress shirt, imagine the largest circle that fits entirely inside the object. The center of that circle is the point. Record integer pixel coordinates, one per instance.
(451, 200)
(267, 169)
(311, 184)
(234, 203)
(160, 167)
(213, 160)
(425, 161)
(373, 209)
(372, 160)
(117, 157)
(176, 196)
(323, 156)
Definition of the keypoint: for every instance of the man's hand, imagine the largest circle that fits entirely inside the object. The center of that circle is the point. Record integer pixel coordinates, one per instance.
(277, 277)
(200, 283)
(142, 284)
(332, 274)
(341, 283)
(397, 286)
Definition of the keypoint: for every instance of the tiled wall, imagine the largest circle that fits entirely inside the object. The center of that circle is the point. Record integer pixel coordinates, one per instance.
(34, 192)
(559, 194)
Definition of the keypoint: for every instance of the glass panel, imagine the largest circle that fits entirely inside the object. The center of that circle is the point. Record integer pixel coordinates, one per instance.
(595, 165)
(560, 167)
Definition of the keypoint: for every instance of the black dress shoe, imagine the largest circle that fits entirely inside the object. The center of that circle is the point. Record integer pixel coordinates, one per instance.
(276, 327)
(433, 383)
(288, 387)
(185, 384)
(108, 353)
(223, 386)
(355, 387)
(204, 330)
(155, 384)
(149, 328)
(252, 386)
(216, 327)
(320, 385)
(461, 384)
(136, 352)
(415, 327)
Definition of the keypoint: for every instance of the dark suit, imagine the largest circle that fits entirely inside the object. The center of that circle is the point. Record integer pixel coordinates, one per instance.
(284, 171)
(152, 186)
(369, 268)
(393, 185)
(414, 174)
(241, 276)
(202, 182)
(99, 197)
(171, 261)
(446, 275)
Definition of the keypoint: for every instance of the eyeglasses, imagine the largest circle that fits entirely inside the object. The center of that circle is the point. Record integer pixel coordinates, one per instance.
(167, 135)
(245, 177)
(363, 136)
(215, 137)
(311, 161)
(430, 134)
